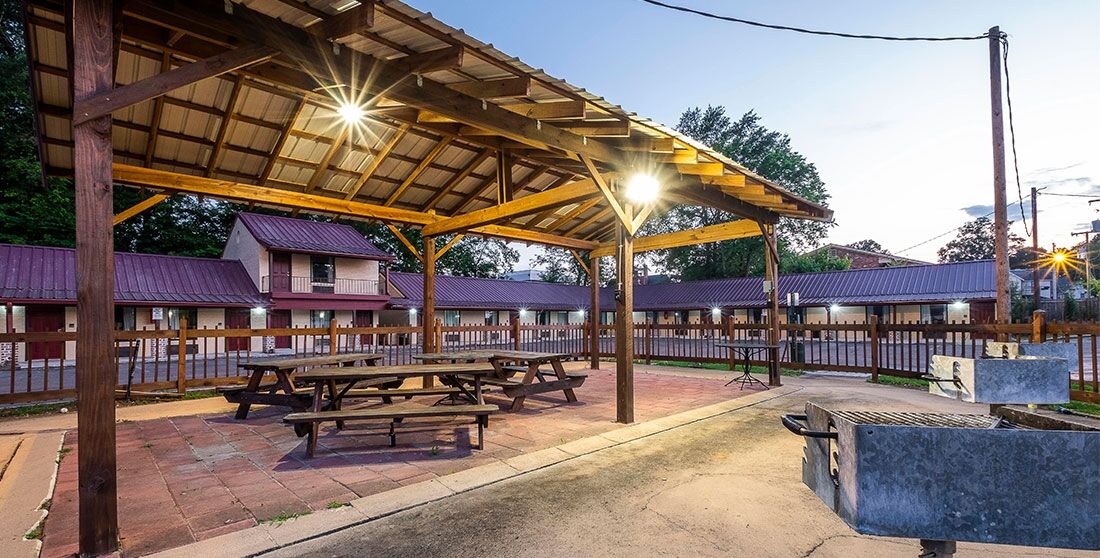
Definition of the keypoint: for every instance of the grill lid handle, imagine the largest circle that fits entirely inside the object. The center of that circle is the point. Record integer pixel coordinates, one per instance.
(797, 425)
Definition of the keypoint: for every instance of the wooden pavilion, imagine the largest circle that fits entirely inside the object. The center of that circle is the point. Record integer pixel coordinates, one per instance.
(364, 110)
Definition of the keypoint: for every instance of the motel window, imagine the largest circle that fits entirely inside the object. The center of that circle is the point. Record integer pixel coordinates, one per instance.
(492, 318)
(323, 269)
(563, 318)
(882, 311)
(452, 317)
(542, 317)
(756, 315)
(320, 318)
(125, 318)
(174, 315)
(607, 318)
(933, 313)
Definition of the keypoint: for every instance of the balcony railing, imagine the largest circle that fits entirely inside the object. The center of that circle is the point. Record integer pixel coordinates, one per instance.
(342, 286)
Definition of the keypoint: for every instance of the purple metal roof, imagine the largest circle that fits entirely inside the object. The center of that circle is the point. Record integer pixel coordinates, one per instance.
(43, 274)
(491, 294)
(910, 284)
(315, 237)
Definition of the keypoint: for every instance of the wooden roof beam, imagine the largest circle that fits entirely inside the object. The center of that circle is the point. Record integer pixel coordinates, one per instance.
(138, 208)
(563, 195)
(107, 102)
(555, 110)
(461, 175)
(247, 193)
(730, 230)
(506, 88)
(348, 22)
(418, 170)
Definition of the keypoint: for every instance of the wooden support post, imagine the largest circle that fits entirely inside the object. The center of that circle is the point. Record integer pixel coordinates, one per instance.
(1000, 207)
(624, 327)
(438, 343)
(594, 313)
(873, 335)
(1038, 326)
(332, 336)
(517, 331)
(96, 371)
(181, 358)
(428, 340)
(771, 268)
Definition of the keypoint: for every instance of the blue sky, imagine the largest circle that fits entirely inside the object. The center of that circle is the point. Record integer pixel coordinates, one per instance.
(899, 131)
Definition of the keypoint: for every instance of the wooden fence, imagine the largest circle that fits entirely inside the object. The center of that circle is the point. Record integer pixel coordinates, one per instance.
(183, 358)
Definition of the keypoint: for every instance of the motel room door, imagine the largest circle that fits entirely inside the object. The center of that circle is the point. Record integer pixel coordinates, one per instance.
(364, 318)
(45, 319)
(280, 272)
(982, 313)
(279, 319)
(238, 318)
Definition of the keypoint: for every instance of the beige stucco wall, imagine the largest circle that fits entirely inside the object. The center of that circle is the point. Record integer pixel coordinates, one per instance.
(242, 246)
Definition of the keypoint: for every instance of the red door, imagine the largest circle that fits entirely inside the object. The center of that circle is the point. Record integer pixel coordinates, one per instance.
(982, 313)
(238, 318)
(364, 318)
(45, 319)
(280, 319)
(280, 273)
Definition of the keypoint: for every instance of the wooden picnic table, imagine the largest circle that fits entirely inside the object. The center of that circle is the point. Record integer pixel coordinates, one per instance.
(283, 392)
(527, 362)
(322, 410)
(746, 350)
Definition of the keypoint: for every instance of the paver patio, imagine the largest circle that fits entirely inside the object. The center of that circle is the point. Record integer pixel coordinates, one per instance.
(188, 478)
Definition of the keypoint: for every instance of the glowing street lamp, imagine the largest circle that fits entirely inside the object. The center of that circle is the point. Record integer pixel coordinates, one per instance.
(642, 188)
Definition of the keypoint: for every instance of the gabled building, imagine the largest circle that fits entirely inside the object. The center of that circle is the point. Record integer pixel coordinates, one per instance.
(865, 259)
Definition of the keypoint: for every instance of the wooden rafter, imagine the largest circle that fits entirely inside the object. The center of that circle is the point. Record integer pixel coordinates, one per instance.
(608, 195)
(580, 261)
(348, 22)
(224, 189)
(158, 108)
(450, 244)
(223, 127)
(322, 165)
(572, 214)
(376, 161)
(561, 196)
(120, 97)
(601, 214)
(743, 228)
(458, 177)
(138, 208)
(418, 170)
(284, 134)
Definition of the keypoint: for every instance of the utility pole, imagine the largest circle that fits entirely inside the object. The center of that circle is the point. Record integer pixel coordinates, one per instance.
(1035, 248)
(1000, 207)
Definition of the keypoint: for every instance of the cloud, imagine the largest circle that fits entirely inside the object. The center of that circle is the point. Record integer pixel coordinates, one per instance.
(1047, 170)
(975, 211)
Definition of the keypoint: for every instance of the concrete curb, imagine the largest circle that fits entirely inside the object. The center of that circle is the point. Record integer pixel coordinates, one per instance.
(268, 537)
(27, 484)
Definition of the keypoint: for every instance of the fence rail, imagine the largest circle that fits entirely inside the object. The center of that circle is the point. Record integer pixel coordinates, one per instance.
(38, 366)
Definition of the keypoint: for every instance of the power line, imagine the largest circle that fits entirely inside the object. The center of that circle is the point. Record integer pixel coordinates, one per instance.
(811, 31)
(1012, 134)
(1069, 195)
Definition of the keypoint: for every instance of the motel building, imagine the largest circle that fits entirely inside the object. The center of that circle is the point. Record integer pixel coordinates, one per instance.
(279, 272)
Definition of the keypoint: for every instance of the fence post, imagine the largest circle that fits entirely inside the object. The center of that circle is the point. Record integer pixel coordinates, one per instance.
(181, 359)
(1038, 326)
(438, 332)
(648, 342)
(516, 332)
(873, 335)
(332, 348)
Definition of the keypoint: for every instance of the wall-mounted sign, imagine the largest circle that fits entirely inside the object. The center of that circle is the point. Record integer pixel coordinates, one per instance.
(156, 314)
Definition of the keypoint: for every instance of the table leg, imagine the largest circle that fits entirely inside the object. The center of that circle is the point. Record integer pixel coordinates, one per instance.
(315, 427)
(560, 372)
(478, 397)
(335, 397)
(528, 377)
(253, 387)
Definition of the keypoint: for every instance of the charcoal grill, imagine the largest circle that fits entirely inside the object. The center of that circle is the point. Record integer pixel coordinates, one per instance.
(943, 478)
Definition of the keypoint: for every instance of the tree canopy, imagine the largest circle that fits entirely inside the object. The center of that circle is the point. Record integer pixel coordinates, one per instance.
(975, 241)
(869, 245)
(769, 154)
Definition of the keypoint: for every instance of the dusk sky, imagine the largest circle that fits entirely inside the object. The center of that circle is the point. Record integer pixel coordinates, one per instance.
(900, 132)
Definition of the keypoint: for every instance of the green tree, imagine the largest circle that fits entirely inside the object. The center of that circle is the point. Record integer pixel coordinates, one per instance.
(557, 265)
(769, 154)
(812, 262)
(1070, 306)
(975, 242)
(470, 257)
(869, 245)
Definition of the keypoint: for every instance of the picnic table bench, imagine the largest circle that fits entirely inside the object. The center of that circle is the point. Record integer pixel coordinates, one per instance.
(508, 363)
(282, 391)
(308, 423)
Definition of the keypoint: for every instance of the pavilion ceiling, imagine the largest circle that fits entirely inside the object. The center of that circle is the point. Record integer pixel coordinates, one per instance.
(452, 126)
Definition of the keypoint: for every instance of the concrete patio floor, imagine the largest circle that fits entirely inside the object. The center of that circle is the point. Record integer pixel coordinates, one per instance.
(187, 478)
(729, 485)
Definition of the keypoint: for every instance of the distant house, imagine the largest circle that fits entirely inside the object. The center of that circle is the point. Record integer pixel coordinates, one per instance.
(864, 259)
(524, 275)
(1021, 279)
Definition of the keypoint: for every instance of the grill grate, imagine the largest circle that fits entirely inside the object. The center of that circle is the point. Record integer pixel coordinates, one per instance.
(922, 419)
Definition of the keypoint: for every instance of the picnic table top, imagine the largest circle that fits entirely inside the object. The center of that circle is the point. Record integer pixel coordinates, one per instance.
(494, 354)
(318, 360)
(399, 371)
(745, 345)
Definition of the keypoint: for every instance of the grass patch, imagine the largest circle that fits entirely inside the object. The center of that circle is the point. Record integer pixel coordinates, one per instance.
(902, 381)
(1076, 386)
(284, 517)
(61, 453)
(36, 409)
(720, 366)
(36, 533)
(434, 451)
(334, 505)
(1078, 406)
(147, 445)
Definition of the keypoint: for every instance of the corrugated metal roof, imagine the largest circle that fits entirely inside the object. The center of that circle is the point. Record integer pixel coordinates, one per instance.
(38, 273)
(475, 293)
(965, 281)
(299, 235)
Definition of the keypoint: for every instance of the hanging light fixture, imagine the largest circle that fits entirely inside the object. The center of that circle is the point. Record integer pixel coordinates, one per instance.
(642, 188)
